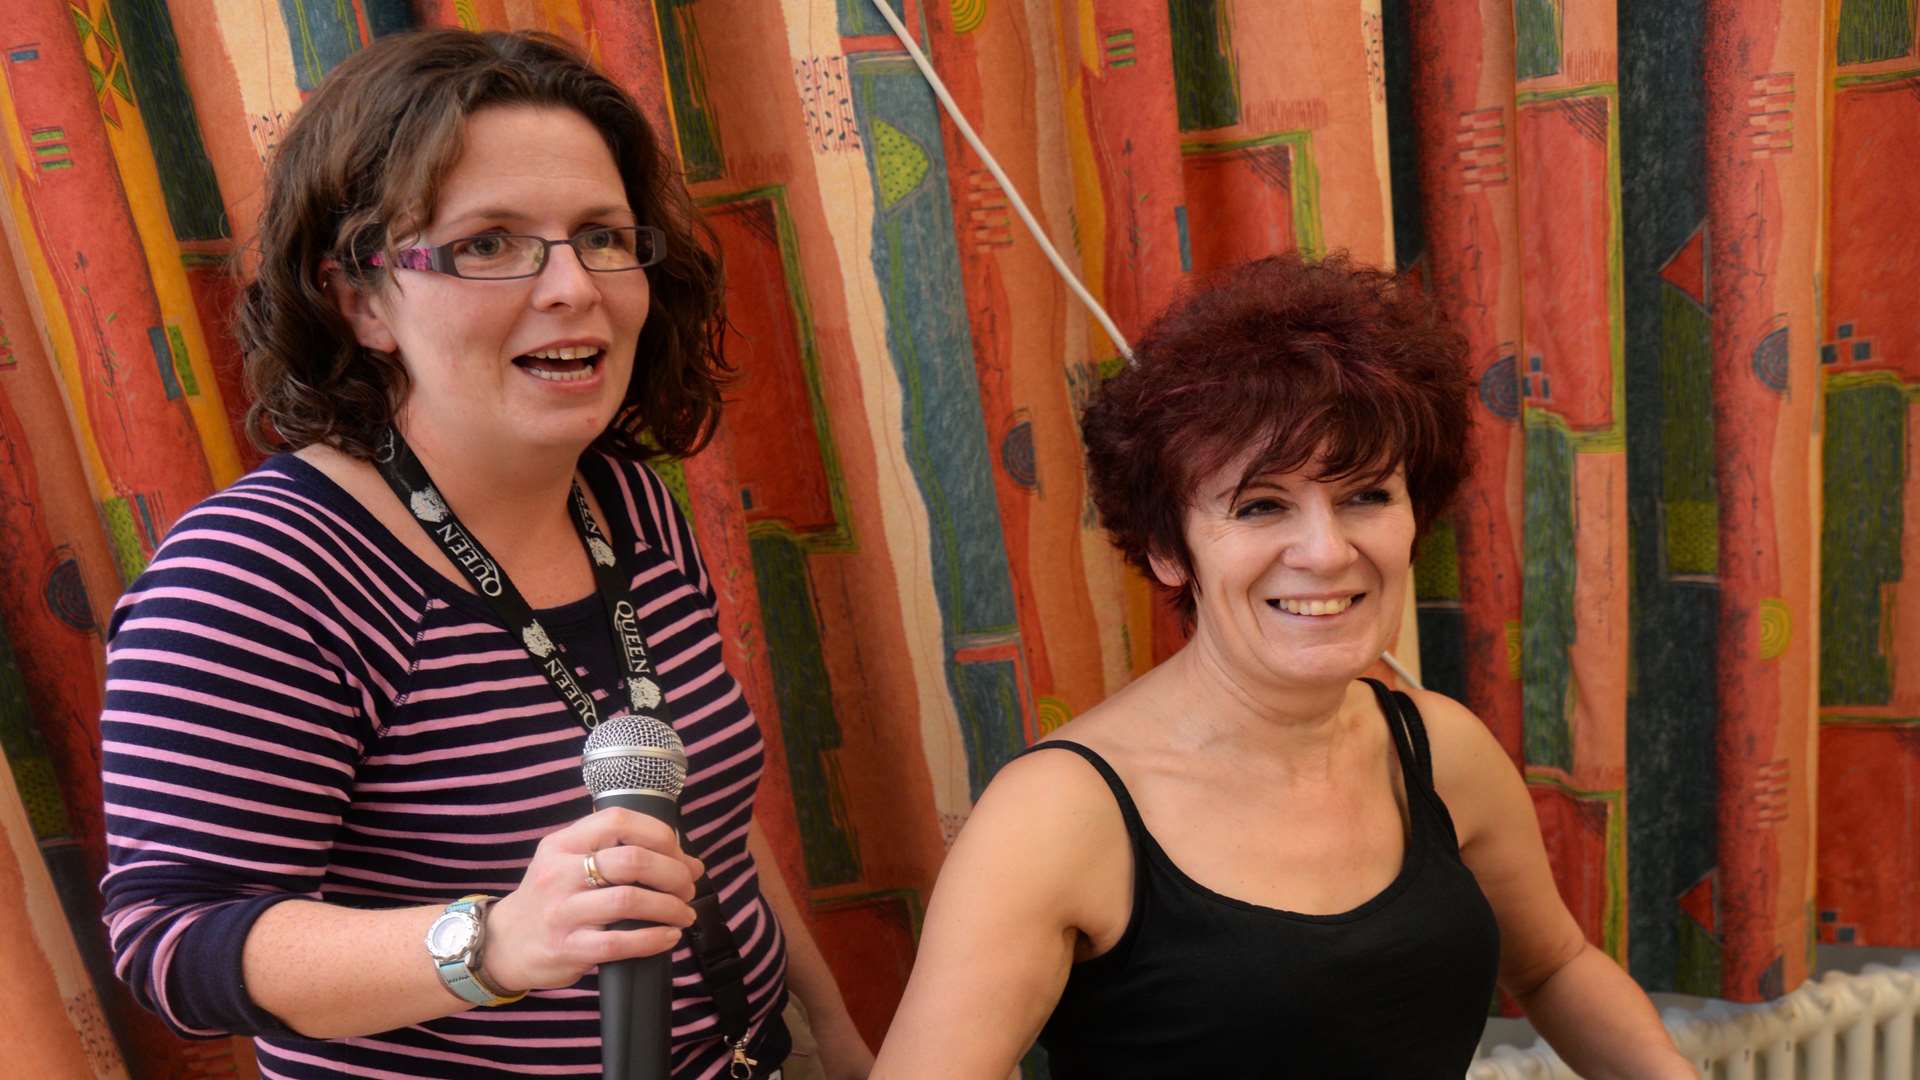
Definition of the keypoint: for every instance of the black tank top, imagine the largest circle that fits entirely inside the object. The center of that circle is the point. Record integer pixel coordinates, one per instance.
(1203, 985)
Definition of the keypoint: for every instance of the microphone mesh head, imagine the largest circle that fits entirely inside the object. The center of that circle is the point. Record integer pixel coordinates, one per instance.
(634, 753)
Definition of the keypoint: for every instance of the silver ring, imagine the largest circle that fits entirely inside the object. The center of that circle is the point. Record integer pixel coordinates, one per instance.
(595, 879)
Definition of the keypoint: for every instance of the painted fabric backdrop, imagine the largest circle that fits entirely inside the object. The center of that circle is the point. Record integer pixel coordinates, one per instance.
(1679, 236)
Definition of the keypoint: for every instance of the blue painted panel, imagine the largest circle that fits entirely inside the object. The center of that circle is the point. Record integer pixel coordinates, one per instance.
(323, 33)
(163, 357)
(858, 18)
(917, 262)
(388, 17)
(989, 696)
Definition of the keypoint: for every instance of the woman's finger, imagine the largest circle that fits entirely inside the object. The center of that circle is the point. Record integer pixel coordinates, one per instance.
(615, 826)
(629, 865)
(606, 946)
(601, 907)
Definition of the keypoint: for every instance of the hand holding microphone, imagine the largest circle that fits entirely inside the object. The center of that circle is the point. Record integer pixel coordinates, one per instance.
(635, 764)
(558, 925)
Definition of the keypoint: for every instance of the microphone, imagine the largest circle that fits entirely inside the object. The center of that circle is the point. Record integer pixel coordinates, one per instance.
(636, 763)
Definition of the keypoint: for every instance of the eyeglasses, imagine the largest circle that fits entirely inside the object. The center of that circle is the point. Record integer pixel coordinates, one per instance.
(502, 256)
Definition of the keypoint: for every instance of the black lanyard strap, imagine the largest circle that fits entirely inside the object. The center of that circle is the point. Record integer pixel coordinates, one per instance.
(415, 489)
(643, 686)
(712, 941)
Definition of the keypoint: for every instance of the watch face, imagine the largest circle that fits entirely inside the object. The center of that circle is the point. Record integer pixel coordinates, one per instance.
(451, 936)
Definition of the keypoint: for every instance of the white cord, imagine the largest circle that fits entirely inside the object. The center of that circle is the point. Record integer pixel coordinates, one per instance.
(1019, 205)
(1405, 675)
(1033, 227)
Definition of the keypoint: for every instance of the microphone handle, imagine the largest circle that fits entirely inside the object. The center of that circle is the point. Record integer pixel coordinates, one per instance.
(636, 995)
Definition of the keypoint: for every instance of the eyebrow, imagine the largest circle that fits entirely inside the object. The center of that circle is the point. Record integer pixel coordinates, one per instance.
(517, 217)
(1266, 481)
(1240, 489)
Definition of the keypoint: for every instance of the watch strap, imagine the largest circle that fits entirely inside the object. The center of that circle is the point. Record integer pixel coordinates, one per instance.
(461, 974)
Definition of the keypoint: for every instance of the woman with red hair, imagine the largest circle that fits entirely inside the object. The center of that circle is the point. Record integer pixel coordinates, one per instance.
(1252, 861)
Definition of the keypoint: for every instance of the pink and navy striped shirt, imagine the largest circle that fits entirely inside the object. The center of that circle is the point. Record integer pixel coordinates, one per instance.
(298, 706)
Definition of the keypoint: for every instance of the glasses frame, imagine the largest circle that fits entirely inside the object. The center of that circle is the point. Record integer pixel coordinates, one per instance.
(438, 258)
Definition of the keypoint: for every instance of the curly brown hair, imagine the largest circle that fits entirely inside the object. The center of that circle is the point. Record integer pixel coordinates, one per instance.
(1340, 366)
(364, 160)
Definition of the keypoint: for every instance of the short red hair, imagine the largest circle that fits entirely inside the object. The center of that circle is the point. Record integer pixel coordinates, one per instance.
(1331, 362)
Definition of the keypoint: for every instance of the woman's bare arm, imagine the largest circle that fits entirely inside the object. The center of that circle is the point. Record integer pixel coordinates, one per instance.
(1589, 1010)
(1044, 848)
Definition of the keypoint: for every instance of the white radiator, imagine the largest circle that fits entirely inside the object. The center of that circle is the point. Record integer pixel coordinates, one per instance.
(1839, 1027)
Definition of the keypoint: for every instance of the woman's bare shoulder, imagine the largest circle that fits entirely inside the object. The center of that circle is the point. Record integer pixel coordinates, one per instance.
(1471, 770)
(1046, 846)
(1052, 783)
(1454, 731)
(1053, 799)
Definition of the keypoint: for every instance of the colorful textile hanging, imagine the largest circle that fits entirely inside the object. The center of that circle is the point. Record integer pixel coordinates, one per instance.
(1674, 589)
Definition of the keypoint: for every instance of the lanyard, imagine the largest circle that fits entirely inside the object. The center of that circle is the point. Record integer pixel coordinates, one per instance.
(710, 937)
(409, 480)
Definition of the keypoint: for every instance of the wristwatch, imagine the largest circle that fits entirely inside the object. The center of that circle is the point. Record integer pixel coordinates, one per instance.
(454, 941)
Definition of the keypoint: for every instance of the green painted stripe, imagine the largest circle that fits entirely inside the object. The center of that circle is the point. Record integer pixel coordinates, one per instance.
(182, 364)
(673, 473)
(1436, 565)
(829, 845)
(1873, 30)
(1537, 34)
(1200, 146)
(700, 150)
(1864, 468)
(123, 536)
(1850, 380)
(1305, 176)
(1613, 919)
(1206, 86)
(1599, 89)
(1606, 440)
(1868, 79)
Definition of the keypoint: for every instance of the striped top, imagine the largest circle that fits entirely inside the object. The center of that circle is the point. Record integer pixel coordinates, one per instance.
(298, 706)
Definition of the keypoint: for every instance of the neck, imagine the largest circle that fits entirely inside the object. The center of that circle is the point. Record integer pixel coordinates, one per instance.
(508, 496)
(1240, 709)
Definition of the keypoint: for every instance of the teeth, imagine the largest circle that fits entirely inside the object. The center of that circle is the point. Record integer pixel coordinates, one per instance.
(559, 376)
(567, 352)
(1314, 607)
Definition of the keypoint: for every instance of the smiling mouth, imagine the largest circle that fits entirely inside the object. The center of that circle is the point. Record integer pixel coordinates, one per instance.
(1319, 609)
(571, 363)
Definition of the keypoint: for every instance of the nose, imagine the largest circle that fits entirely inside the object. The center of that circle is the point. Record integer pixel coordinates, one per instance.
(564, 281)
(1320, 544)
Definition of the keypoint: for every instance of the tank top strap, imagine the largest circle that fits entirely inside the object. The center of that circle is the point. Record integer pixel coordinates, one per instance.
(1417, 732)
(1136, 828)
(1409, 734)
(1416, 761)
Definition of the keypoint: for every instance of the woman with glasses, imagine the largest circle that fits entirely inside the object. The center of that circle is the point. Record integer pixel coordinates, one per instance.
(346, 702)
